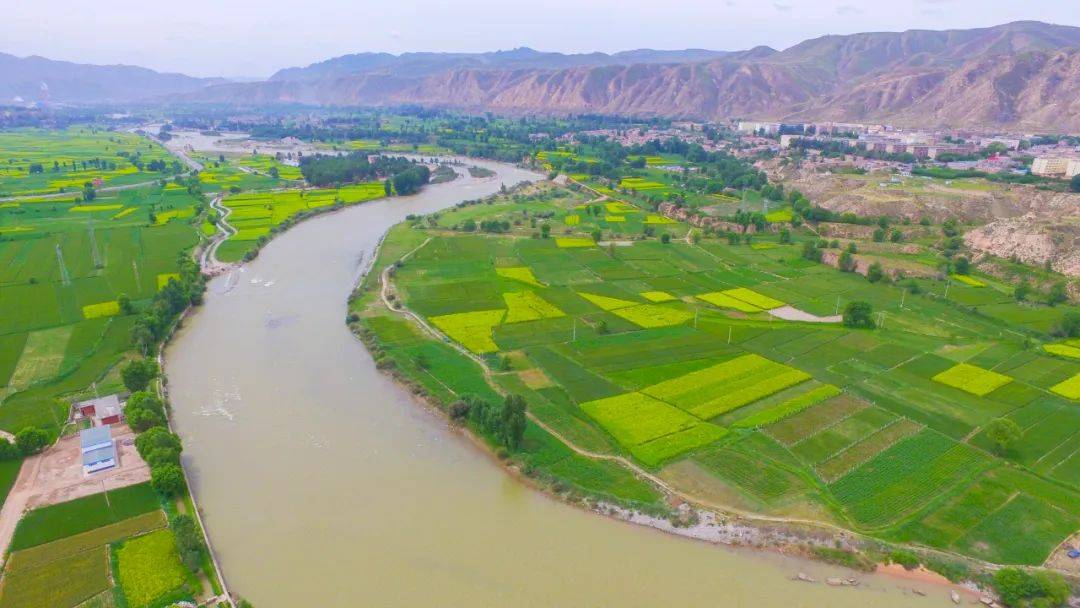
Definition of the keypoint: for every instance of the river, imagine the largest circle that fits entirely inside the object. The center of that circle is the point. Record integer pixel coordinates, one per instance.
(322, 483)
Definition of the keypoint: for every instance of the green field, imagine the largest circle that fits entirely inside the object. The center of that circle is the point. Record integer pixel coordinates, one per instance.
(149, 569)
(71, 157)
(255, 215)
(59, 334)
(662, 353)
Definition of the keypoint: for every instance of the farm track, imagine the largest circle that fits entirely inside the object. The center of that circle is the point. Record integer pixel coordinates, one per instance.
(208, 260)
(385, 292)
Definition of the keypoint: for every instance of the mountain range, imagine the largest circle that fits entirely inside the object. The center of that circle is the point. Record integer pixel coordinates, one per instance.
(1022, 75)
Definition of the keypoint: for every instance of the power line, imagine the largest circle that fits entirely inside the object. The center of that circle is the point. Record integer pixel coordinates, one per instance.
(65, 278)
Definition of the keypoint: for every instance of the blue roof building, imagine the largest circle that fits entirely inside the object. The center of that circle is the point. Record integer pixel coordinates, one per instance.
(98, 449)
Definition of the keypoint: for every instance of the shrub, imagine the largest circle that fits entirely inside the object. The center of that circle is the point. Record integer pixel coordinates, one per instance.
(859, 314)
(905, 558)
(31, 440)
(1003, 433)
(8, 450)
(1037, 589)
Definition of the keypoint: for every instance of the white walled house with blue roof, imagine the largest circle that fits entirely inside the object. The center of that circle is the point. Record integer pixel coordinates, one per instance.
(98, 449)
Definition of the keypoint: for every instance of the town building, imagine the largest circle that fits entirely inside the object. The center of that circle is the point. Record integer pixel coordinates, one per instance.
(98, 449)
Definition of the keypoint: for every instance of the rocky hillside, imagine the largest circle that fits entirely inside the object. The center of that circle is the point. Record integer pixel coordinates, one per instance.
(1024, 75)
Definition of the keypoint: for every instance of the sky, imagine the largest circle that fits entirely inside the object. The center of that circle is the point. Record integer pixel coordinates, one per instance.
(254, 38)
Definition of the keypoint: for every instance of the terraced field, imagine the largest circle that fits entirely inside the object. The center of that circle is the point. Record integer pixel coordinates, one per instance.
(665, 353)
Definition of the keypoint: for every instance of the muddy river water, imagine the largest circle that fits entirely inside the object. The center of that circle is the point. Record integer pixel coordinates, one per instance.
(322, 483)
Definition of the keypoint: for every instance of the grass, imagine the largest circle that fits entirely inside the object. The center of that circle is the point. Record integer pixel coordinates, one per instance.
(65, 519)
(149, 568)
(973, 379)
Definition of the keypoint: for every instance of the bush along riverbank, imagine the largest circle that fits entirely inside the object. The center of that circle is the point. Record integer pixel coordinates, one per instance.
(480, 389)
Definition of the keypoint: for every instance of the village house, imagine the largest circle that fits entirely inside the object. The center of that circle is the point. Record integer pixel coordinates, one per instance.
(98, 449)
(99, 411)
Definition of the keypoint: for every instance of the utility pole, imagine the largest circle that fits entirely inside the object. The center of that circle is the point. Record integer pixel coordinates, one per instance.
(95, 256)
(948, 284)
(65, 278)
(135, 266)
(836, 311)
(574, 335)
(695, 316)
(729, 334)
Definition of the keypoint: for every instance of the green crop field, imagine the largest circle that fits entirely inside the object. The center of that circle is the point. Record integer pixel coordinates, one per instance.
(256, 214)
(149, 568)
(71, 157)
(972, 379)
(878, 430)
(65, 263)
(55, 522)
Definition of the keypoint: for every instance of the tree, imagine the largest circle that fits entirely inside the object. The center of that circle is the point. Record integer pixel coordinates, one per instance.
(859, 314)
(274, 173)
(1069, 325)
(138, 374)
(189, 542)
(1074, 183)
(875, 273)
(8, 450)
(665, 238)
(156, 438)
(513, 421)
(1021, 292)
(1058, 294)
(162, 456)
(879, 235)
(142, 419)
(961, 265)
(1003, 433)
(168, 479)
(811, 251)
(1020, 588)
(31, 440)
(847, 261)
(126, 307)
(545, 230)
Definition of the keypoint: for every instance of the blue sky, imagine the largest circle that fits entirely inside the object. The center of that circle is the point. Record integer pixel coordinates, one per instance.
(257, 37)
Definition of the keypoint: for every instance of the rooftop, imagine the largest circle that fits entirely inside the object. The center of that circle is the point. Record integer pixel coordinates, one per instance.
(94, 436)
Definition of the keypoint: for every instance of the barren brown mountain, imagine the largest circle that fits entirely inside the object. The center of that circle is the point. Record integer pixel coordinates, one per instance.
(1024, 75)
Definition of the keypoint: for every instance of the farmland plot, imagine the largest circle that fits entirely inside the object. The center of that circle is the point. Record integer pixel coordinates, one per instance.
(721, 388)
